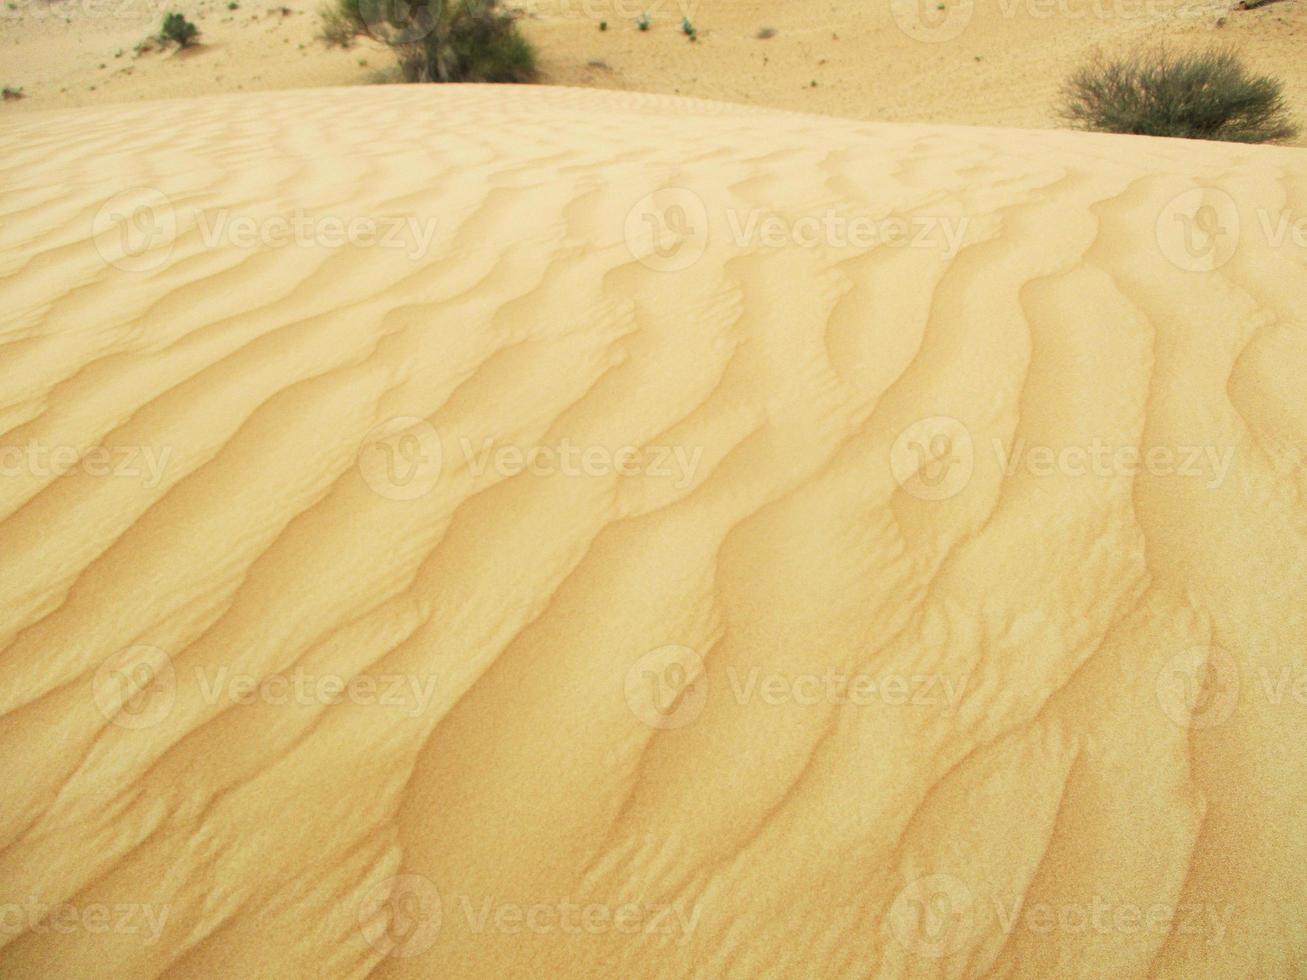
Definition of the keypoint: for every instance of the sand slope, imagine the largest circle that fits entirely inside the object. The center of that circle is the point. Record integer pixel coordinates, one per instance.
(867, 605)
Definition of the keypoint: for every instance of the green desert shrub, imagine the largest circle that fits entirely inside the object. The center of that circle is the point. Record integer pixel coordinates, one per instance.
(1209, 95)
(439, 41)
(336, 28)
(178, 29)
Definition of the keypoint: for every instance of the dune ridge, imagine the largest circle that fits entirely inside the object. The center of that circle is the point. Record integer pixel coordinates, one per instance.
(805, 606)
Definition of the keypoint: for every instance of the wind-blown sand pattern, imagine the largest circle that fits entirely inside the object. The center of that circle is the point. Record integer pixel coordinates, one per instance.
(945, 616)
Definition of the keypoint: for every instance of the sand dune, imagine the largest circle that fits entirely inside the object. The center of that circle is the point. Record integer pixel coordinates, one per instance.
(471, 532)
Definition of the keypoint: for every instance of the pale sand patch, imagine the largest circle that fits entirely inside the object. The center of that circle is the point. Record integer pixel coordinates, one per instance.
(850, 619)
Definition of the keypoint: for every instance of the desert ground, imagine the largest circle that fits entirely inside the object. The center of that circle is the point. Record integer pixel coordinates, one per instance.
(484, 531)
(992, 63)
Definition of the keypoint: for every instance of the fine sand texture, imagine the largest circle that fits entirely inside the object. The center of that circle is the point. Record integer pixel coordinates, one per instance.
(481, 532)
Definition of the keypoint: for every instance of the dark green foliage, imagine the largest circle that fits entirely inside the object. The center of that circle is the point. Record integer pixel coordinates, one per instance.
(455, 41)
(1209, 95)
(178, 29)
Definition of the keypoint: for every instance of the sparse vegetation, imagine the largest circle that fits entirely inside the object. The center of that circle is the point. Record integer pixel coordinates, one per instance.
(688, 29)
(12, 92)
(178, 30)
(459, 41)
(337, 30)
(1209, 95)
(643, 21)
(765, 32)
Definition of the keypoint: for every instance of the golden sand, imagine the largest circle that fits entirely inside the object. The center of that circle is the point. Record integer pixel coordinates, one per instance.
(480, 532)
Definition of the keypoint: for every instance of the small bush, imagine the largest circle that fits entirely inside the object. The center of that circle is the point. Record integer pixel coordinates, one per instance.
(178, 29)
(337, 29)
(1210, 95)
(462, 41)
